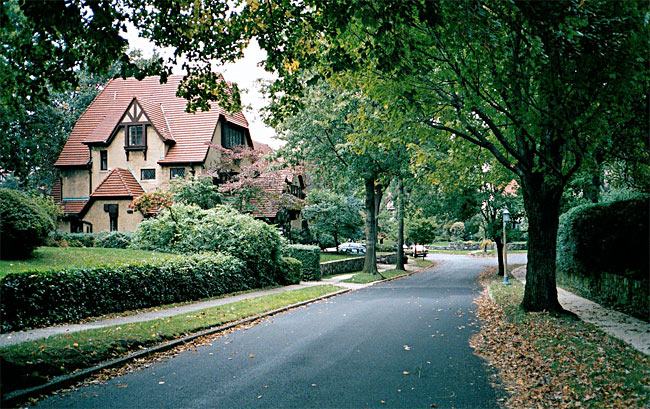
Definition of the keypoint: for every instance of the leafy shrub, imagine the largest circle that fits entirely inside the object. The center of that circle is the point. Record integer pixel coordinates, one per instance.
(24, 224)
(200, 191)
(113, 240)
(290, 270)
(189, 229)
(309, 256)
(457, 230)
(45, 298)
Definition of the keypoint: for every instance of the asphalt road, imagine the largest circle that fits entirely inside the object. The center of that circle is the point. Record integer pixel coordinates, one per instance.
(402, 343)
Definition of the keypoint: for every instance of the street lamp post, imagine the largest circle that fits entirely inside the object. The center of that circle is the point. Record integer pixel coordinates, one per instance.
(506, 219)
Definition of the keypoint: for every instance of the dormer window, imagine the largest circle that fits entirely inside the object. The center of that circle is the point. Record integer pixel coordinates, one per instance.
(232, 136)
(135, 137)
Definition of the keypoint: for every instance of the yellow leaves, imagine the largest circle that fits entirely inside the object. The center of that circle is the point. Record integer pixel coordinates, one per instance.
(405, 372)
(251, 356)
(75, 344)
(291, 66)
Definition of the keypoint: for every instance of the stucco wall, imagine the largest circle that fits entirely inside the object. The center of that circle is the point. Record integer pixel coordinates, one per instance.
(75, 183)
(117, 159)
(101, 221)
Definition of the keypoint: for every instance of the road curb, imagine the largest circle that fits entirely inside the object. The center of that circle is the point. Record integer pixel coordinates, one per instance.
(63, 381)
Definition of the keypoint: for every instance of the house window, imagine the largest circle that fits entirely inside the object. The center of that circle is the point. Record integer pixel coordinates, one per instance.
(136, 135)
(177, 173)
(103, 160)
(147, 174)
(233, 137)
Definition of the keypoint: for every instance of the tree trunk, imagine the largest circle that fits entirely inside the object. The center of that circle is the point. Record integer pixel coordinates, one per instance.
(336, 242)
(542, 203)
(498, 243)
(400, 225)
(370, 262)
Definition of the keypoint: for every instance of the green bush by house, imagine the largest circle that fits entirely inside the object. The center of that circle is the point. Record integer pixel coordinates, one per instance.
(603, 253)
(189, 229)
(113, 239)
(45, 298)
(24, 224)
(309, 256)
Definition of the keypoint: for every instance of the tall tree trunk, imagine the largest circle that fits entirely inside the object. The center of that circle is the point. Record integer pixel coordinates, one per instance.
(498, 243)
(400, 225)
(542, 203)
(370, 262)
(336, 241)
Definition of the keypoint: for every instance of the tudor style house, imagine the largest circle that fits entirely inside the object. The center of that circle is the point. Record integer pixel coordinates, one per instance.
(135, 137)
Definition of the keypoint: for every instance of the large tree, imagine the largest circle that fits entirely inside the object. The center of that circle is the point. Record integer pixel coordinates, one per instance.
(537, 84)
(334, 214)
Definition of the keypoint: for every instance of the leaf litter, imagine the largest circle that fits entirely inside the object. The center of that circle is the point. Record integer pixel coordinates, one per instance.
(546, 361)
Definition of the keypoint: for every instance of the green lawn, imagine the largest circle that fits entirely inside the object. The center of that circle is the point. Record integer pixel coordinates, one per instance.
(363, 278)
(52, 258)
(32, 362)
(335, 256)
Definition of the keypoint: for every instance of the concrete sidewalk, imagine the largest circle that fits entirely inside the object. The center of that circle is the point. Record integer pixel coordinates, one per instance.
(617, 324)
(13, 338)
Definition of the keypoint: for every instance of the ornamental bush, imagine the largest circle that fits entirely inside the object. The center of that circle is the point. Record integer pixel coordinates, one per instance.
(44, 298)
(24, 224)
(189, 229)
(113, 240)
(309, 256)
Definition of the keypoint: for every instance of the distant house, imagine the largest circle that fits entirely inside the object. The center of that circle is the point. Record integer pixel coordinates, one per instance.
(135, 137)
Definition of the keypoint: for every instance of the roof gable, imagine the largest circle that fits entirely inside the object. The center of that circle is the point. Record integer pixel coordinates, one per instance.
(164, 110)
(119, 183)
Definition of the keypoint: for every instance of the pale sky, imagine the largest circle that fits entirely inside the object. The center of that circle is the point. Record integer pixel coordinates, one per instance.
(244, 72)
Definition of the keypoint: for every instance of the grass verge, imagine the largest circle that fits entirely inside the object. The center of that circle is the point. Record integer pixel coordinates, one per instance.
(335, 256)
(53, 258)
(423, 263)
(363, 278)
(32, 363)
(545, 360)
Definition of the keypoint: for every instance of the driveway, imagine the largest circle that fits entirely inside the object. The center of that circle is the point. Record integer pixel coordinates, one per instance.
(402, 343)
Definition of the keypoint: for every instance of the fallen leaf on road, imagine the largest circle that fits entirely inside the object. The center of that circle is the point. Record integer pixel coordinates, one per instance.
(405, 372)
(161, 383)
(251, 356)
(407, 348)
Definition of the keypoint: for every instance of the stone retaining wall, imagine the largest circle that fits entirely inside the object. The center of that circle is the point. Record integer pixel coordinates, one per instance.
(462, 246)
(347, 265)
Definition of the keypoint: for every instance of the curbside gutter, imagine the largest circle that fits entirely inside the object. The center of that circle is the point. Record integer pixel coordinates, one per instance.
(59, 382)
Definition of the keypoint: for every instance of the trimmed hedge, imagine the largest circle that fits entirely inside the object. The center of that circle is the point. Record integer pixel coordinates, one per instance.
(605, 237)
(290, 269)
(46, 298)
(309, 256)
(106, 239)
(602, 253)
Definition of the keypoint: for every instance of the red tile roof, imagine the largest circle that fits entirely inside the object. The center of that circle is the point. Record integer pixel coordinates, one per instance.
(119, 183)
(273, 183)
(74, 206)
(56, 193)
(262, 147)
(166, 111)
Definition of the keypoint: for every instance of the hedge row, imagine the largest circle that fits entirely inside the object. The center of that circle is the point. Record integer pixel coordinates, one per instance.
(114, 239)
(309, 256)
(602, 254)
(46, 298)
(605, 237)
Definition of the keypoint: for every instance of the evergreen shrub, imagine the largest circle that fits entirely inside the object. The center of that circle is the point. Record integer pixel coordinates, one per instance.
(309, 256)
(24, 224)
(44, 298)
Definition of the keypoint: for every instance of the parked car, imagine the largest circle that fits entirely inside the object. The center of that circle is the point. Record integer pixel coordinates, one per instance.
(352, 248)
(416, 250)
